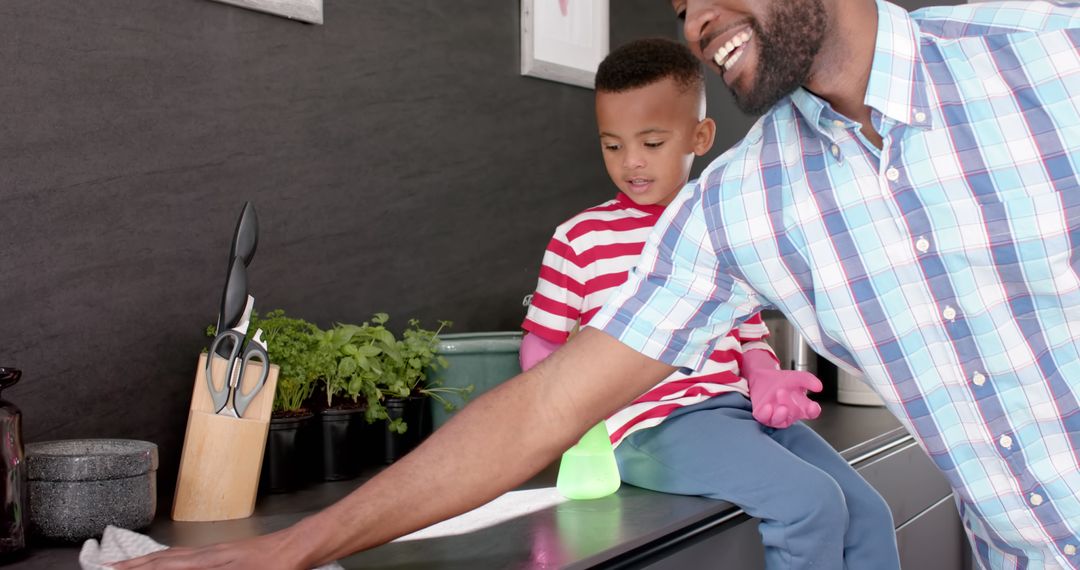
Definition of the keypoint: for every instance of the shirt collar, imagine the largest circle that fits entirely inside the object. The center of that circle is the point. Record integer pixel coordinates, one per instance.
(626, 202)
(897, 86)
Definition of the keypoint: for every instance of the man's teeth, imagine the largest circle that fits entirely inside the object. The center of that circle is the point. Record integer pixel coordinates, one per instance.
(731, 60)
(721, 57)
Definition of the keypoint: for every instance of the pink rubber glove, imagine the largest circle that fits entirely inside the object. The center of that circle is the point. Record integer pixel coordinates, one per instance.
(778, 396)
(533, 350)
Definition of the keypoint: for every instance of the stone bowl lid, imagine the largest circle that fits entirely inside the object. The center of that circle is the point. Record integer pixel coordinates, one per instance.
(89, 459)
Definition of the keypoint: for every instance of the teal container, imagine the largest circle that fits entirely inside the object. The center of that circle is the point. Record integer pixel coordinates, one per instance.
(483, 359)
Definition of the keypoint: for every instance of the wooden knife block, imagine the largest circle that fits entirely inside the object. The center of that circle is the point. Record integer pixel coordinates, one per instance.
(222, 457)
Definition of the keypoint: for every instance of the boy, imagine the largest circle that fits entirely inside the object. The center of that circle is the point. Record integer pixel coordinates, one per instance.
(696, 433)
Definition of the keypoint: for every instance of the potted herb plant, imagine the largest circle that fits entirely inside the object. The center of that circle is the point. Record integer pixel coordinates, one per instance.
(405, 386)
(292, 344)
(352, 399)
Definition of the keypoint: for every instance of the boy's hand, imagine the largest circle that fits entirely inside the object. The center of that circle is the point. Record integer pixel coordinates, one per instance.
(778, 397)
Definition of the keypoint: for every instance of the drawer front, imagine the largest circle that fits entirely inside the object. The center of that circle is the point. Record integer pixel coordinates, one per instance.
(736, 545)
(909, 482)
(934, 539)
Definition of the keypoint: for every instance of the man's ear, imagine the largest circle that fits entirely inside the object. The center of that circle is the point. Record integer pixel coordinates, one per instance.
(704, 134)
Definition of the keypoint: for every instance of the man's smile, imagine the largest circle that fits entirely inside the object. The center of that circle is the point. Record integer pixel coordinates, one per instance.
(725, 49)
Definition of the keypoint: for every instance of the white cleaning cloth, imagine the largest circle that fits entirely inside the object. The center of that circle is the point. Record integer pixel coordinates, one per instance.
(508, 506)
(122, 544)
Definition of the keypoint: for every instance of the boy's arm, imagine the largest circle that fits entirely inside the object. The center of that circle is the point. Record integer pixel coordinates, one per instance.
(556, 305)
(535, 348)
(778, 397)
(493, 445)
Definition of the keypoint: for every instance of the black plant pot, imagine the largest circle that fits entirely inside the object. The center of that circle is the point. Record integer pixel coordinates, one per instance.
(343, 437)
(287, 460)
(417, 415)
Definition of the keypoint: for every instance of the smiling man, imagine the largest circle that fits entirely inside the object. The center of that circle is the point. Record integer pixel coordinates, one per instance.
(910, 201)
(913, 202)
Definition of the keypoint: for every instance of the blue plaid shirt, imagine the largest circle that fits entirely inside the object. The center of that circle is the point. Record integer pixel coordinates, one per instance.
(943, 266)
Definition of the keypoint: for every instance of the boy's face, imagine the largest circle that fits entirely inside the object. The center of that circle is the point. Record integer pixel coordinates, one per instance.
(649, 136)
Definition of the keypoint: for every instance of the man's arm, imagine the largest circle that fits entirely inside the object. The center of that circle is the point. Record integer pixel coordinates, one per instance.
(493, 445)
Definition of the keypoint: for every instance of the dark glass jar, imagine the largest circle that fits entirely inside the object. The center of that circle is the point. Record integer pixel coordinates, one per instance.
(13, 491)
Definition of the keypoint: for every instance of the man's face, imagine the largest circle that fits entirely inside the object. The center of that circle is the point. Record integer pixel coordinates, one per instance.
(763, 49)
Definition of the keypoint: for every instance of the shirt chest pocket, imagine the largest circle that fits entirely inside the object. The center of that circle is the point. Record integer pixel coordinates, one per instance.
(1018, 237)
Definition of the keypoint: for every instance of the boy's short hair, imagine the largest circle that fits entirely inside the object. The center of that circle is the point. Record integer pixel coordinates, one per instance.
(646, 61)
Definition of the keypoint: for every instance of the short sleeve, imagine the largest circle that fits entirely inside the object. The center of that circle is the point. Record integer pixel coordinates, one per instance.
(681, 298)
(560, 290)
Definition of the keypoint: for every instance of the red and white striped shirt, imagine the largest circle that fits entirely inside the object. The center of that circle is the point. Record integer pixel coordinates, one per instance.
(586, 260)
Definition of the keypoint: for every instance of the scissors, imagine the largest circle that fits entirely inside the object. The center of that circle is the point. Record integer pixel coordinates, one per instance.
(230, 400)
(244, 243)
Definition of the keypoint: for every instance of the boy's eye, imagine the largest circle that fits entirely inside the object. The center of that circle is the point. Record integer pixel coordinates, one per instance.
(654, 144)
(611, 147)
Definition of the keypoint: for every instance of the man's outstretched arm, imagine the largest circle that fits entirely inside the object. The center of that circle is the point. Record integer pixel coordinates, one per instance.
(493, 445)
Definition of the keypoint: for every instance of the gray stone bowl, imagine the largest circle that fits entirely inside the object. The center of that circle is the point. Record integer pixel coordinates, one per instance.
(79, 486)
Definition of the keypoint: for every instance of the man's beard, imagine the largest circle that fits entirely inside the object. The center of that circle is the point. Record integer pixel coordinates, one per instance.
(786, 51)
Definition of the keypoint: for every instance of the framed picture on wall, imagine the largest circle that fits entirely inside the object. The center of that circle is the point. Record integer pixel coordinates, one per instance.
(564, 40)
(309, 11)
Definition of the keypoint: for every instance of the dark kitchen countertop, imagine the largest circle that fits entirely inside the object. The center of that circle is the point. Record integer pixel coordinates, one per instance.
(571, 535)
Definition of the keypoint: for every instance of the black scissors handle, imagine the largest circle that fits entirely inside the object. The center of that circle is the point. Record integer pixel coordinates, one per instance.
(230, 352)
(253, 351)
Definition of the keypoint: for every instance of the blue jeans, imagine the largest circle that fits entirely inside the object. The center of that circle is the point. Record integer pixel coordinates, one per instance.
(815, 510)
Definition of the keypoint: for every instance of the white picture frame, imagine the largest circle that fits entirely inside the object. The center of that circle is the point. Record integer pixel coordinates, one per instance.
(564, 40)
(310, 11)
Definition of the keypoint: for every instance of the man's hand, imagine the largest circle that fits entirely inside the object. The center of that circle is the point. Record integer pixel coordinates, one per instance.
(779, 396)
(257, 553)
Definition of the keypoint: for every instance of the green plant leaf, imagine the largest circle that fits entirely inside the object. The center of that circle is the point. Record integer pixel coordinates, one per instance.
(368, 350)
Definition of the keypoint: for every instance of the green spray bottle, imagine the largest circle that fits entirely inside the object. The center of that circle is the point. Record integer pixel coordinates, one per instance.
(588, 470)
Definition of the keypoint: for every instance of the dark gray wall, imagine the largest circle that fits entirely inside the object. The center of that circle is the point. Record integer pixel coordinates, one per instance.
(397, 159)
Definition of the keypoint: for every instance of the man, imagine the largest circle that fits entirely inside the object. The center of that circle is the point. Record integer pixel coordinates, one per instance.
(910, 201)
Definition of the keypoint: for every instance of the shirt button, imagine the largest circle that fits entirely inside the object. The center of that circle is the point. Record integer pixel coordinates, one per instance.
(1005, 441)
(835, 151)
(978, 379)
(1070, 549)
(922, 245)
(1036, 499)
(920, 116)
(839, 124)
(949, 313)
(892, 174)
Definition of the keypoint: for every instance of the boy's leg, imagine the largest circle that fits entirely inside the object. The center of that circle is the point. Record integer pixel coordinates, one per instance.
(717, 449)
(870, 541)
